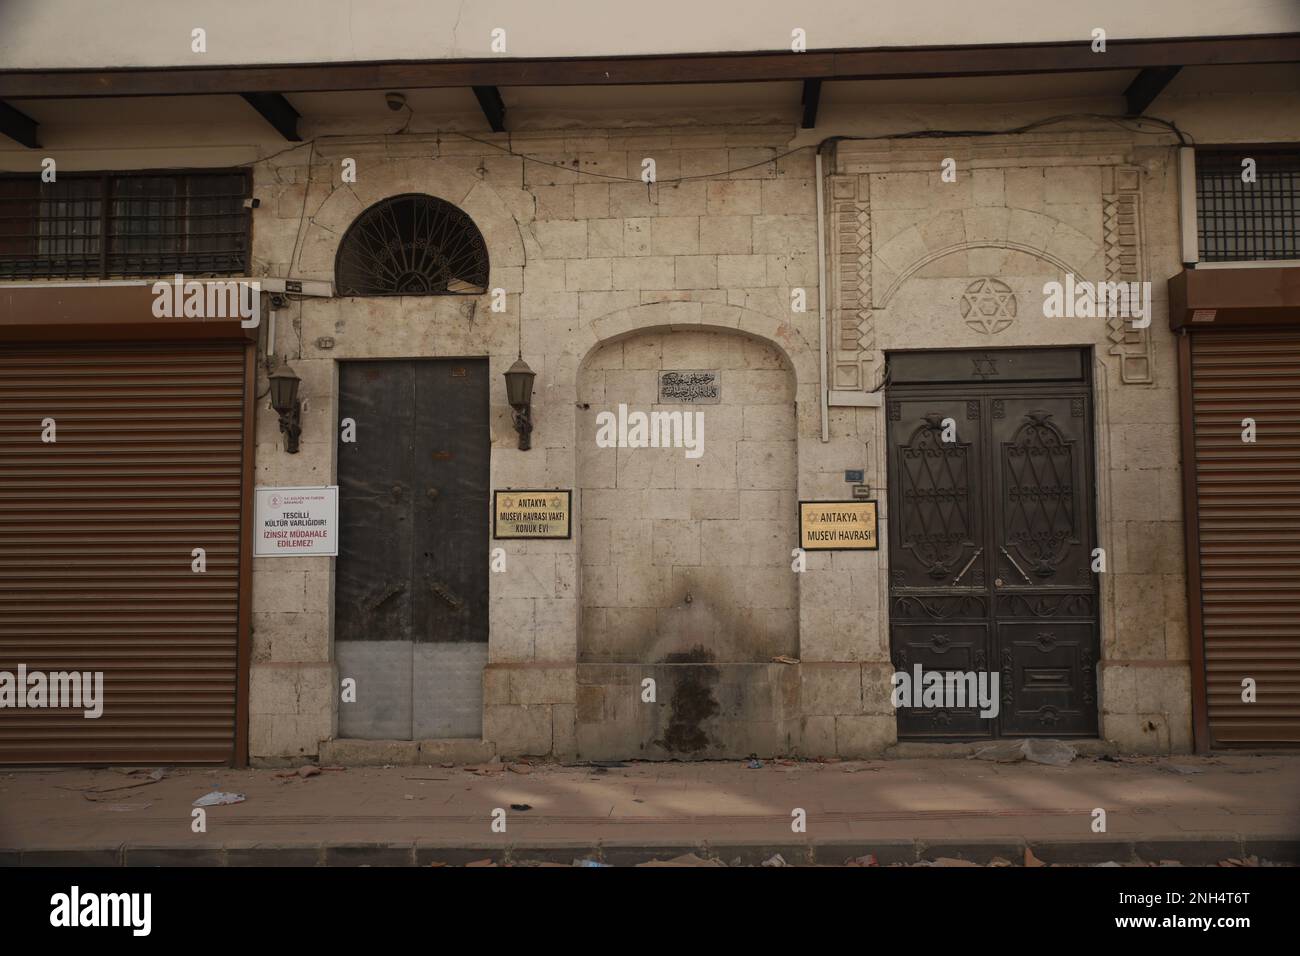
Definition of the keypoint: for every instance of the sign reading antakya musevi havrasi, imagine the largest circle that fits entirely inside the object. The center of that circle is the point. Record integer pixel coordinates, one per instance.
(301, 522)
(838, 526)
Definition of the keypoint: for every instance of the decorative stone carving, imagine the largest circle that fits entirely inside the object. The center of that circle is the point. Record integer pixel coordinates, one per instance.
(852, 338)
(988, 305)
(1125, 262)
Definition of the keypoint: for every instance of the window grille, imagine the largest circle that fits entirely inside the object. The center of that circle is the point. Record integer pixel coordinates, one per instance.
(124, 225)
(1237, 220)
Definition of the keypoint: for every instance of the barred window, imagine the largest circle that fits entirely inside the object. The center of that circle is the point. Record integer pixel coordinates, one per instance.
(124, 225)
(1238, 220)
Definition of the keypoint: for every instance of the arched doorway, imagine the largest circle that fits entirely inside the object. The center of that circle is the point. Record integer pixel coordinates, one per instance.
(685, 549)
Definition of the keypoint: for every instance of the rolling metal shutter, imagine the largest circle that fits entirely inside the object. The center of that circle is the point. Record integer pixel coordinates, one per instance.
(1249, 526)
(96, 535)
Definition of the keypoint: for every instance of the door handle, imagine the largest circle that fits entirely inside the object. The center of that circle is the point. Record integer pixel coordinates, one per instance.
(1028, 580)
(431, 493)
(391, 593)
(442, 591)
(977, 553)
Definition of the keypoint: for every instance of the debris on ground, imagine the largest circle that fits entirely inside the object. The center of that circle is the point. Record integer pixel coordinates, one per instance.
(1053, 753)
(1234, 861)
(1031, 860)
(520, 806)
(753, 763)
(776, 859)
(687, 859)
(306, 770)
(999, 861)
(1180, 769)
(950, 861)
(480, 863)
(868, 860)
(589, 862)
(785, 659)
(493, 766)
(219, 798)
(101, 794)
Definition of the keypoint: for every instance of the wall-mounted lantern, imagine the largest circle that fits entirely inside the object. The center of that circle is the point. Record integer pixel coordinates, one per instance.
(519, 393)
(284, 399)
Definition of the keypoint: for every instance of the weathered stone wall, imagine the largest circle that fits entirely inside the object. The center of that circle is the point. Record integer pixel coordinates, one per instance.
(595, 270)
(911, 255)
(582, 260)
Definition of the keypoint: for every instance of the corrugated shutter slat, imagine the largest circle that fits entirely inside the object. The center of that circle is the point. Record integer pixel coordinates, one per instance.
(96, 534)
(1249, 525)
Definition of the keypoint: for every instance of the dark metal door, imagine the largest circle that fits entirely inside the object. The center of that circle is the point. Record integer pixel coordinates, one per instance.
(411, 579)
(991, 541)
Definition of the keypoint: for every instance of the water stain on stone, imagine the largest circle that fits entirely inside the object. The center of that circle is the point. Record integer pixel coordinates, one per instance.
(692, 702)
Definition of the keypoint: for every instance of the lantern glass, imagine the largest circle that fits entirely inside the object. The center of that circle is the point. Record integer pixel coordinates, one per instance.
(284, 389)
(519, 384)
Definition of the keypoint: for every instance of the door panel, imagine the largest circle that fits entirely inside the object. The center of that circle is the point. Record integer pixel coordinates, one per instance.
(1042, 514)
(936, 495)
(948, 647)
(991, 539)
(1048, 686)
(451, 514)
(372, 586)
(450, 503)
(1043, 564)
(411, 577)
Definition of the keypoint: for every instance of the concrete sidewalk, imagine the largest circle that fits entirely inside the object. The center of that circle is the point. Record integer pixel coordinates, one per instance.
(1195, 810)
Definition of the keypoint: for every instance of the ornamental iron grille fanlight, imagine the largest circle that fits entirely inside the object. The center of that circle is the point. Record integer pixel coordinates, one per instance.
(412, 244)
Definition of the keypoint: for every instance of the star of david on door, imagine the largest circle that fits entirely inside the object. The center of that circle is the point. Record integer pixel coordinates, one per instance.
(988, 306)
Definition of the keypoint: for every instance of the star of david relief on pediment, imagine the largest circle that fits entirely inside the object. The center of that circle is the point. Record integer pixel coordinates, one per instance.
(988, 306)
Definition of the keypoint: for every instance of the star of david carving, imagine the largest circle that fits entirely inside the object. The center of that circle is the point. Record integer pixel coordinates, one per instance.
(984, 368)
(988, 306)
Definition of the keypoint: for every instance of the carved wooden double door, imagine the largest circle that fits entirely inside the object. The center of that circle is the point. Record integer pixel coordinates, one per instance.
(991, 531)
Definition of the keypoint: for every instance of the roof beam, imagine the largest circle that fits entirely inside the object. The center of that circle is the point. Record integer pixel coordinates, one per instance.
(275, 109)
(494, 108)
(1146, 86)
(812, 95)
(18, 126)
(892, 63)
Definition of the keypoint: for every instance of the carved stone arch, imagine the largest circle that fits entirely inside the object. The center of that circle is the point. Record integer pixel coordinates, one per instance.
(702, 316)
(925, 260)
(1015, 229)
(496, 211)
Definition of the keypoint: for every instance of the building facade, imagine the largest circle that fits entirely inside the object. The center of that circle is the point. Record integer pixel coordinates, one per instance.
(862, 300)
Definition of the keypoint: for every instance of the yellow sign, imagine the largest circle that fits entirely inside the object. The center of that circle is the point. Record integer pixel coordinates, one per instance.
(838, 526)
(532, 514)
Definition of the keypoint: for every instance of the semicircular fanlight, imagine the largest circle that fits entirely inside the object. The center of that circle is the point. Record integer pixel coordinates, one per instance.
(412, 245)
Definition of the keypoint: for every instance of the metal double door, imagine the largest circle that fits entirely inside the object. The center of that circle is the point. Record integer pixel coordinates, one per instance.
(411, 588)
(992, 531)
